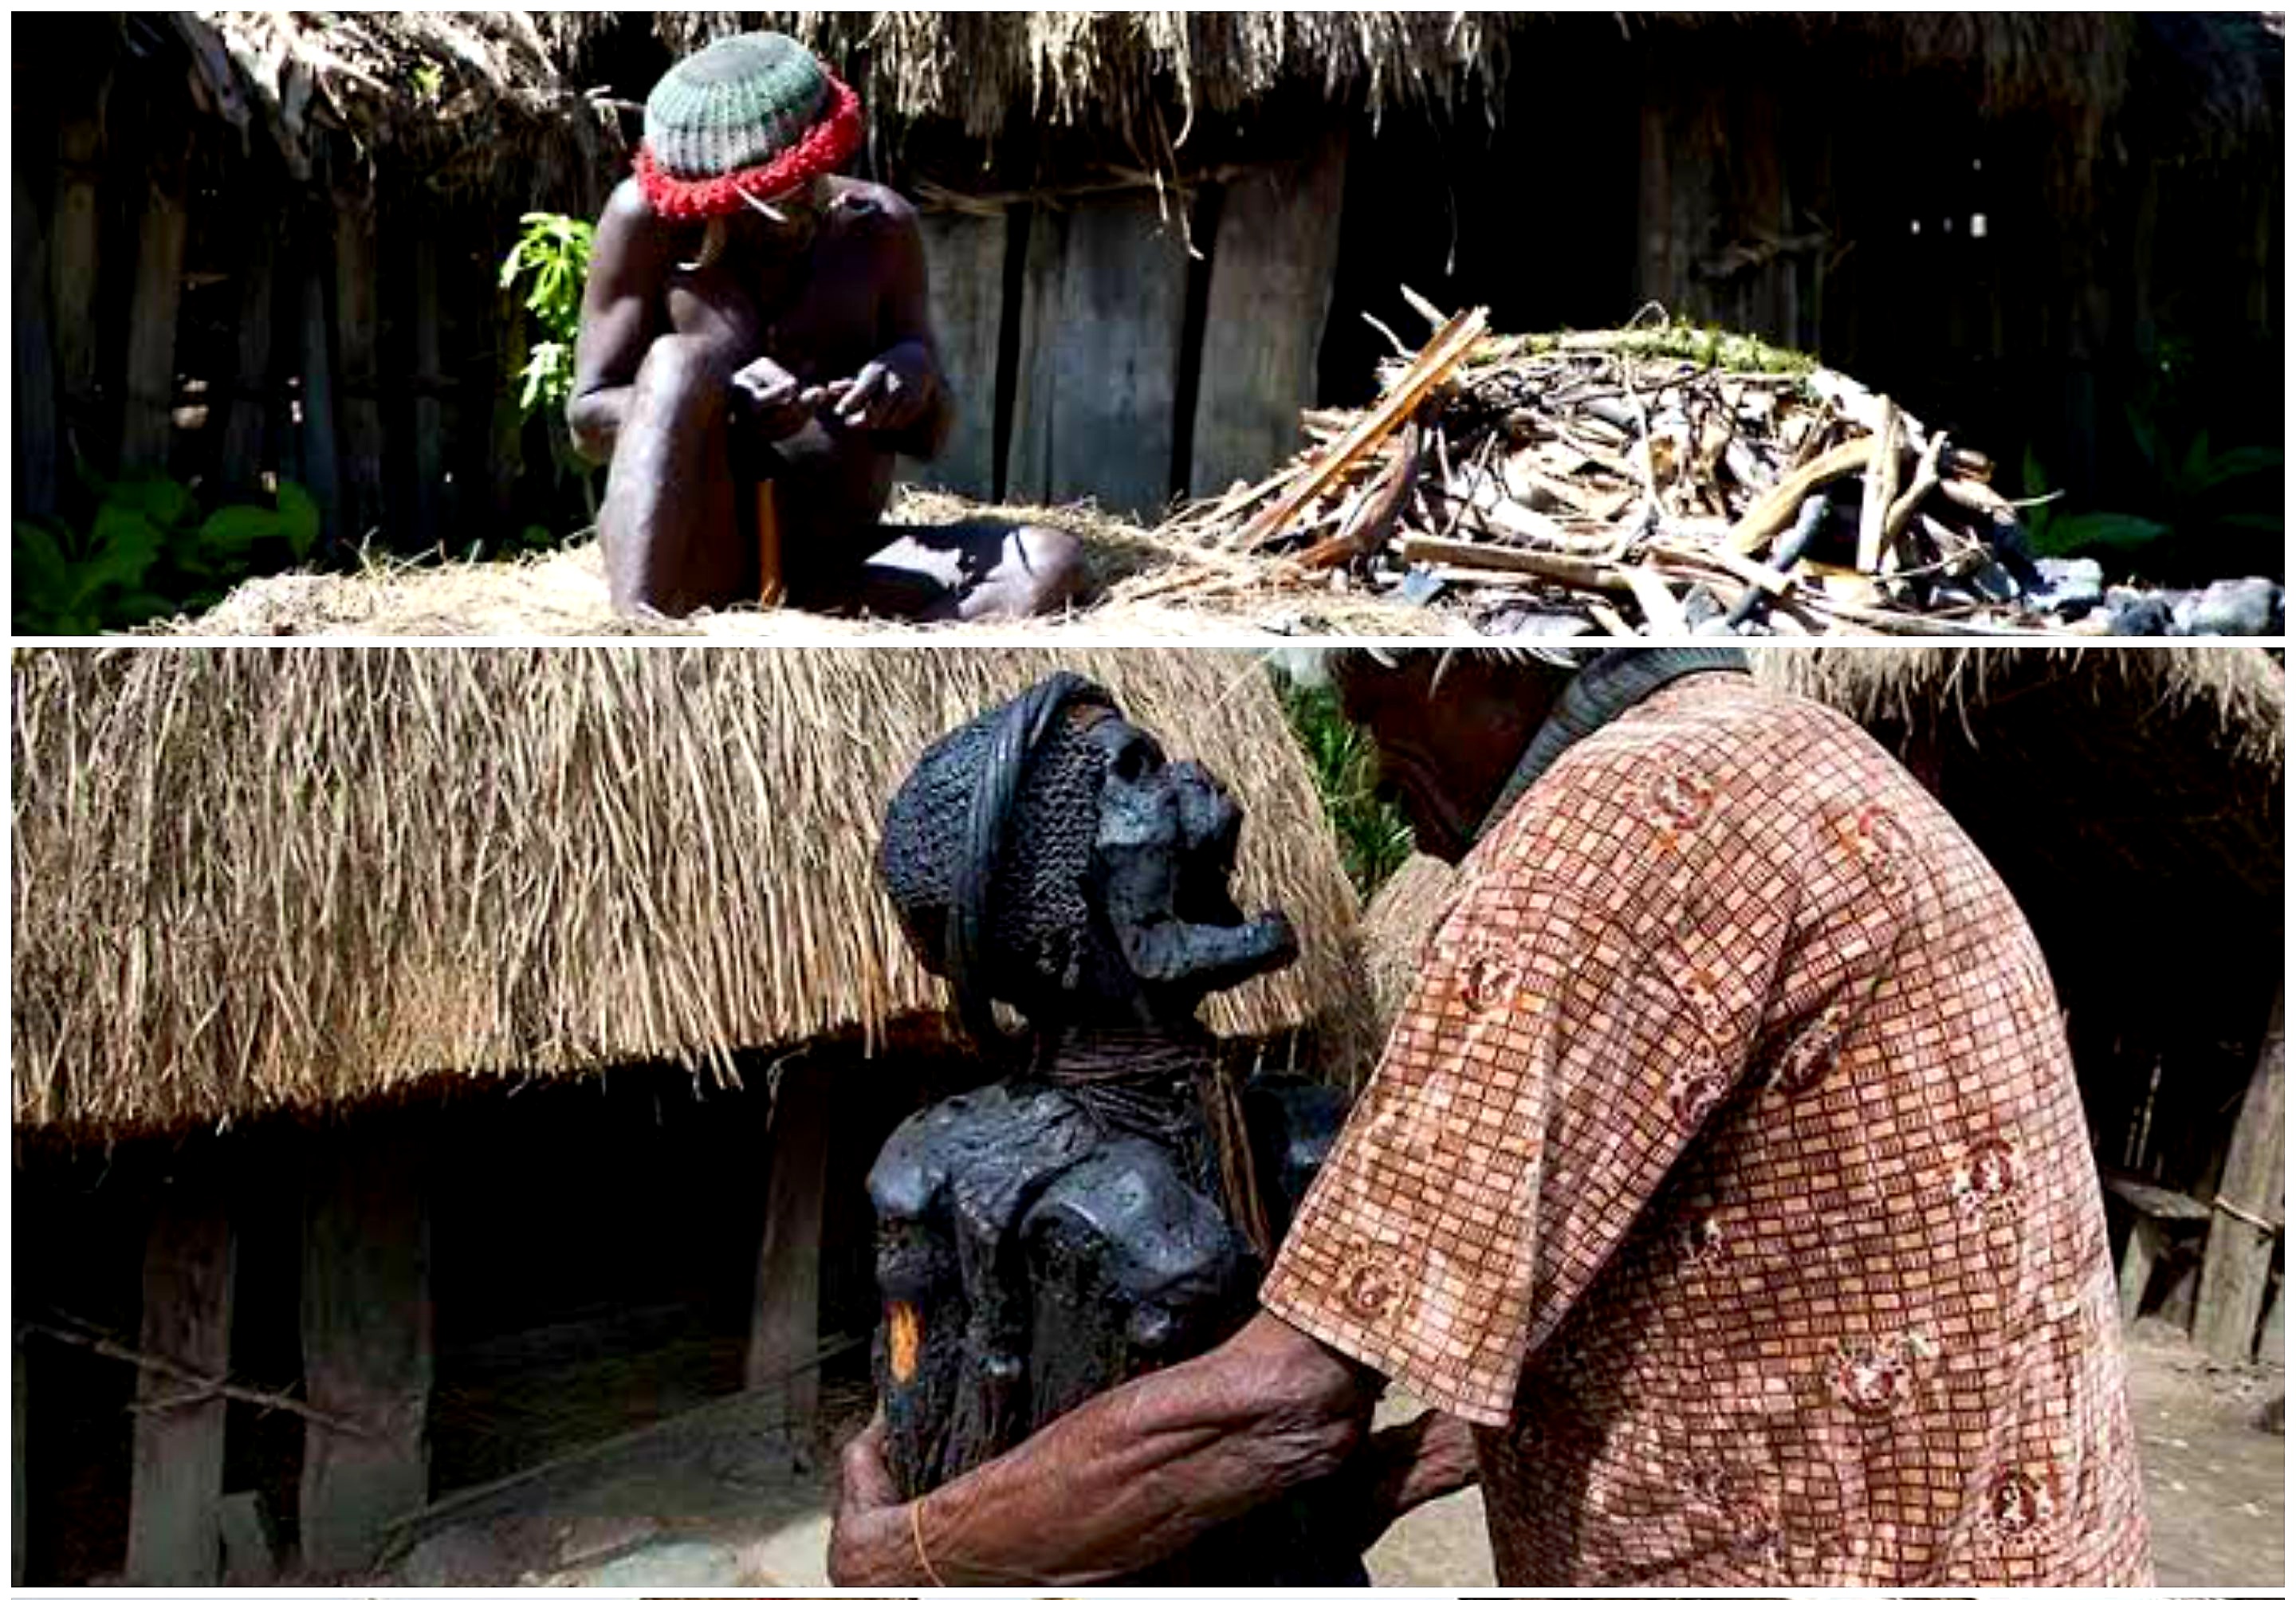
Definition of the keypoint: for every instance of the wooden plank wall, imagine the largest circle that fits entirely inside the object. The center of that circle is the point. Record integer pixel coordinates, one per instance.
(964, 266)
(185, 307)
(367, 355)
(1103, 311)
(1275, 258)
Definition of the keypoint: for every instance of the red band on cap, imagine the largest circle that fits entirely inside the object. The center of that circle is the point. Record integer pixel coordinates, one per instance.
(822, 149)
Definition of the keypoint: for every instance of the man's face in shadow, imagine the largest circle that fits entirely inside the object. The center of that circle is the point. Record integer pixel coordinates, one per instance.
(1449, 734)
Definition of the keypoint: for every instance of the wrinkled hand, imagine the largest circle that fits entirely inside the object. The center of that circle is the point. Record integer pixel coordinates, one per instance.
(773, 404)
(886, 395)
(1403, 1467)
(869, 1535)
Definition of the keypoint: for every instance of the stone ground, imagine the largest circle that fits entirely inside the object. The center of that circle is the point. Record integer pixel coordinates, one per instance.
(728, 1513)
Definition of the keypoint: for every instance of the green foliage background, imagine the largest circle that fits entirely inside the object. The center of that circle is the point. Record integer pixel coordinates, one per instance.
(1373, 835)
(149, 551)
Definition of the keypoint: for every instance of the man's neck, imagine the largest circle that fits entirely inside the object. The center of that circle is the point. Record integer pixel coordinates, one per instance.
(1603, 691)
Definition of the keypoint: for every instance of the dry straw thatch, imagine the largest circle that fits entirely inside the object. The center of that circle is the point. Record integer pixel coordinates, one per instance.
(563, 595)
(1396, 925)
(2158, 769)
(256, 879)
(2239, 691)
(495, 89)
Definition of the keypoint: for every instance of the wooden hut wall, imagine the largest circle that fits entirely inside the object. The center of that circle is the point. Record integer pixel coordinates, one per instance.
(186, 306)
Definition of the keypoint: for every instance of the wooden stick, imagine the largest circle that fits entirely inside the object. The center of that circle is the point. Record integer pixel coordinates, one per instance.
(1881, 489)
(1376, 523)
(1569, 570)
(1774, 512)
(1902, 508)
(205, 1386)
(770, 588)
(1443, 354)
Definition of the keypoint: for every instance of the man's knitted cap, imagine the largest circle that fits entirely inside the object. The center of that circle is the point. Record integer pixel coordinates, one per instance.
(754, 114)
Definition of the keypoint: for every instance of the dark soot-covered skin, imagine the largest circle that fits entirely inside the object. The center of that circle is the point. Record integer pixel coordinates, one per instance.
(1028, 1264)
(1046, 1239)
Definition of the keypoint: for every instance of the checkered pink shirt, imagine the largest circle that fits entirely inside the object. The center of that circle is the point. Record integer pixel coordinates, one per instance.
(1726, 1168)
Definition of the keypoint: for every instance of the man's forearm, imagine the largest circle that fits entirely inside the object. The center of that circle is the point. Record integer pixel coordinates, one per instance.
(1134, 1475)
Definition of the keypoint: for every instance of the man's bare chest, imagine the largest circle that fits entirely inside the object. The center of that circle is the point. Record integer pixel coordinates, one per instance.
(819, 320)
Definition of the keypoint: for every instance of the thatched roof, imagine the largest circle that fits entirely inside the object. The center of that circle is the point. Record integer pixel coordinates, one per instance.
(482, 88)
(253, 879)
(1118, 68)
(2132, 796)
(2090, 775)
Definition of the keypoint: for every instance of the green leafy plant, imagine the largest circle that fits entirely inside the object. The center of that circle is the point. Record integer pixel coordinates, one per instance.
(147, 553)
(1373, 835)
(2053, 531)
(2204, 508)
(552, 257)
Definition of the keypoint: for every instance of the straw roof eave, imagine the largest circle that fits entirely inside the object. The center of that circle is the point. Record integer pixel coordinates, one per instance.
(2150, 795)
(250, 881)
(482, 86)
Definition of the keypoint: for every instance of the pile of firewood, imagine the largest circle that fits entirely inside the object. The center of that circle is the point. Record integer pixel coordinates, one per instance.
(1640, 481)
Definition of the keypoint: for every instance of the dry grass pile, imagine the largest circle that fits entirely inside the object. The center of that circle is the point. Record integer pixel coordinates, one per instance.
(1651, 480)
(564, 594)
(255, 879)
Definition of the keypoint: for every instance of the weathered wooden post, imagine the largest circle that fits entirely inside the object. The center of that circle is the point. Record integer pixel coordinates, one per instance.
(965, 264)
(1273, 260)
(174, 1538)
(148, 422)
(366, 1345)
(785, 1326)
(2236, 1271)
(1101, 330)
(74, 233)
(39, 445)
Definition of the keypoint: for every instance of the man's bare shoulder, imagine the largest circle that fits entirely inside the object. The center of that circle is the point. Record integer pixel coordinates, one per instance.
(629, 212)
(860, 207)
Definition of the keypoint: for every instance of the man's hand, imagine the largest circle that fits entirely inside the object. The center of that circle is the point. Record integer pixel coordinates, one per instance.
(771, 404)
(888, 396)
(1403, 1467)
(1125, 1480)
(869, 1536)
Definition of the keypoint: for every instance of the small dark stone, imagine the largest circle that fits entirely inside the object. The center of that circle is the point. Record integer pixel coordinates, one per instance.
(2243, 607)
(2070, 589)
(2139, 616)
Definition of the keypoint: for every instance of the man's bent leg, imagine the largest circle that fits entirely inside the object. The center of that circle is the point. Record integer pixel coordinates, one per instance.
(962, 571)
(669, 528)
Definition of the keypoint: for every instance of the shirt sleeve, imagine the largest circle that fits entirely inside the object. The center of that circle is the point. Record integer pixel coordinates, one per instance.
(1593, 997)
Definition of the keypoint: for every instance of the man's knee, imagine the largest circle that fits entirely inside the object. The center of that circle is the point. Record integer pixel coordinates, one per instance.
(683, 371)
(1050, 561)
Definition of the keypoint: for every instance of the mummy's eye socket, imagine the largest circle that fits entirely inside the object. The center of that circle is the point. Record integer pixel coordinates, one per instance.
(1137, 759)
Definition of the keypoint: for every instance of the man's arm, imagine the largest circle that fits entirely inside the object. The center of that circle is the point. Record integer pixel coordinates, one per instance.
(621, 309)
(1121, 1483)
(903, 392)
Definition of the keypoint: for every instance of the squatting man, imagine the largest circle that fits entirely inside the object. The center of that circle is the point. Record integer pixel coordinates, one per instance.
(756, 350)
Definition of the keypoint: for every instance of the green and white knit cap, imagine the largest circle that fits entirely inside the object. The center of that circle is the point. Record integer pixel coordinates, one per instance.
(735, 105)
